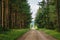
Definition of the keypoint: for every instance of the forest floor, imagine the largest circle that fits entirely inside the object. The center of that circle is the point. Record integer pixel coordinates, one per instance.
(36, 35)
(12, 34)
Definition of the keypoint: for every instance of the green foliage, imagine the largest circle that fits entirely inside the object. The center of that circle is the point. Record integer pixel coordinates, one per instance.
(12, 34)
(53, 33)
(46, 16)
(22, 10)
(1, 28)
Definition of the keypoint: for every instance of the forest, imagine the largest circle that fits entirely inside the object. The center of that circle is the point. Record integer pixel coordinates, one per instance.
(48, 15)
(14, 14)
(16, 19)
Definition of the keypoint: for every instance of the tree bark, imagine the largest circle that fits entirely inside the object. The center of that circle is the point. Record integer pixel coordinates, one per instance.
(58, 12)
(2, 12)
(6, 15)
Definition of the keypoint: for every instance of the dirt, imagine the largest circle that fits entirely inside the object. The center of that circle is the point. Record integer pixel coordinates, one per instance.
(36, 35)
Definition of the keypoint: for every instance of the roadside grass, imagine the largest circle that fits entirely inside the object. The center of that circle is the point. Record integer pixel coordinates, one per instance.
(13, 34)
(53, 33)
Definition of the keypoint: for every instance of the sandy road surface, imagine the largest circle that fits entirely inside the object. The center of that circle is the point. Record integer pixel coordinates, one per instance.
(36, 35)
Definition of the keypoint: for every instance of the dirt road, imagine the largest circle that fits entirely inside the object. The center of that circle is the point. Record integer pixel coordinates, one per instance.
(36, 35)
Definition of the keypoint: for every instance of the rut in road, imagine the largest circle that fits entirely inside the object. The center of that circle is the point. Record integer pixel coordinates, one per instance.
(36, 35)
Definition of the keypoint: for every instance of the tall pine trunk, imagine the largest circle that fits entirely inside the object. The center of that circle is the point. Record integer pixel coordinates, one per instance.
(2, 12)
(58, 12)
(6, 15)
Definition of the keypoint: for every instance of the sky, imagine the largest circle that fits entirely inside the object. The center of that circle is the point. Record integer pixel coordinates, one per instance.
(34, 7)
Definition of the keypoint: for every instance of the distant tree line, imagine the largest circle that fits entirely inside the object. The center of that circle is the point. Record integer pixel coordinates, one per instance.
(48, 15)
(14, 14)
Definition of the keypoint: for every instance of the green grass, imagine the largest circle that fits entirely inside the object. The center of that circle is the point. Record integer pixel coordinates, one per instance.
(53, 33)
(12, 34)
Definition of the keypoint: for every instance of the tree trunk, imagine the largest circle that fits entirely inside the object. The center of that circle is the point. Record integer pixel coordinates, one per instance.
(2, 12)
(58, 11)
(6, 14)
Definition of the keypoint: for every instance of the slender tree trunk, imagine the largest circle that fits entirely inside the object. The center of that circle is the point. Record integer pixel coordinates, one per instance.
(2, 12)
(58, 11)
(6, 14)
(10, 16)
(14, 20)
(47, 13)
